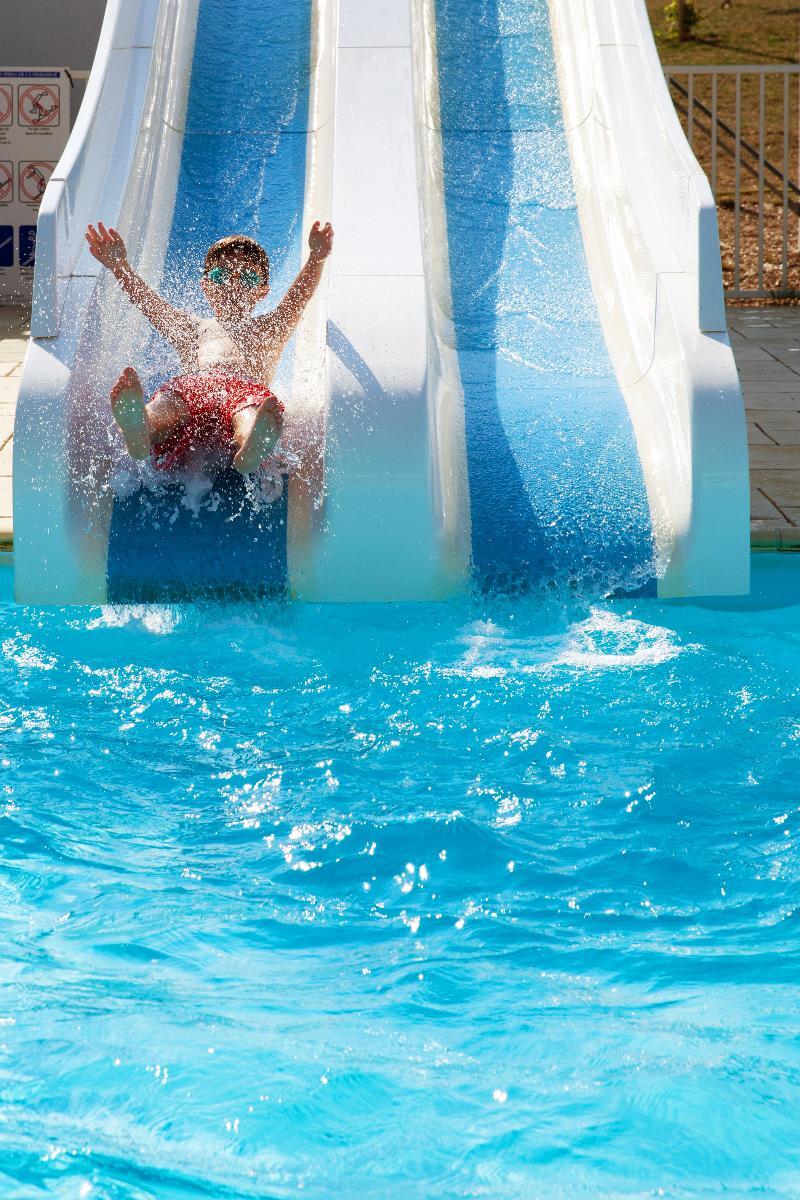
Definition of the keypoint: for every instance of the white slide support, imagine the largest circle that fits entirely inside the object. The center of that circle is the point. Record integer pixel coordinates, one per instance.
(121, 161)
(391, 527)
(650, 233)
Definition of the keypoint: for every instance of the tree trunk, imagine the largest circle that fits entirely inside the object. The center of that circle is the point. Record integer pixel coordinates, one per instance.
(683, 25)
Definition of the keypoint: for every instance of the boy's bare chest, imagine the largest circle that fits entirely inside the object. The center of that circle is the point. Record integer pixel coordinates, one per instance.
(250, 346)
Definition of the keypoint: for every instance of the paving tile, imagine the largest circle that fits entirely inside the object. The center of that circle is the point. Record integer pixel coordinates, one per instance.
(14, 318)
(779, 418)
(770, 387)
(12, 349)
(9, 389)
(788, 355)
(781, 459)
(788, 344)
(755, 436)
(776, 399)
(781, 487)
(766, 336)
(738, 330)
(761, 508)
(6, 456)
(784, 437)
(5, 496)
(768, 373)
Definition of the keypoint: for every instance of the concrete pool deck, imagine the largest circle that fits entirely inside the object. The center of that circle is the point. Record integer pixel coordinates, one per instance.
(766, 343)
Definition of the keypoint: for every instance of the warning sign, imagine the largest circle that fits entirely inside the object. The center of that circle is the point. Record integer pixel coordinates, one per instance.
(34, 127)
(33, 177)
(38, 105)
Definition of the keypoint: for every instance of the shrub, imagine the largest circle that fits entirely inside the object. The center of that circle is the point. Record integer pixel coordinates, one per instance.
(682, 16)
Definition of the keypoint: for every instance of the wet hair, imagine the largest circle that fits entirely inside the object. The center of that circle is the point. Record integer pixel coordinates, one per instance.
(242, 246)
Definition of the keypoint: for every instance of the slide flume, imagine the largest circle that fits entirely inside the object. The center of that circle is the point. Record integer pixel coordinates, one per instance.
(199, 121)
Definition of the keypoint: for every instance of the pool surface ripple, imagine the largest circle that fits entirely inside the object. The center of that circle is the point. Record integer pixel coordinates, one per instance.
(490, 899)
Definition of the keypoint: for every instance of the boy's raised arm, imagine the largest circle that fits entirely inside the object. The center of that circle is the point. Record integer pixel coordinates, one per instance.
(290, 309)
(108, 248)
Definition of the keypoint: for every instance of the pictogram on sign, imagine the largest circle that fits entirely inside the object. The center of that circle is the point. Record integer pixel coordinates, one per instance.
(39, 105)
(33, 177)
(6, 182)
(6, 103)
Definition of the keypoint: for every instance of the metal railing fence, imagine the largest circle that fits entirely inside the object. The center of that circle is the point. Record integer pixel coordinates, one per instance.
(743, 124)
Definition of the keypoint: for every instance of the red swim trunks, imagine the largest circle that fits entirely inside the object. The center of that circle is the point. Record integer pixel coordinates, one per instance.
(212, 398)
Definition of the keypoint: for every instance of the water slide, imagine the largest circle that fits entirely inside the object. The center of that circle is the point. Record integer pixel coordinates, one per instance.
(516, 368)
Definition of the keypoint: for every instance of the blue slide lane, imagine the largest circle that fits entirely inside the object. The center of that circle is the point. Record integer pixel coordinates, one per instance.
(242, 171)
(556, 487)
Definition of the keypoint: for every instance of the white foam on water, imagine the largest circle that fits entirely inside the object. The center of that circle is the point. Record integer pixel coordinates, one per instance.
(157, 619)
(607, 641)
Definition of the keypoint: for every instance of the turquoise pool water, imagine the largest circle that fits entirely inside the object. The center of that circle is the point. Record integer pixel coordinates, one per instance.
(492, 899)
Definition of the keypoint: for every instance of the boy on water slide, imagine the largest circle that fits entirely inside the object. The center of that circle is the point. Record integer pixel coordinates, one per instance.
(221, 406)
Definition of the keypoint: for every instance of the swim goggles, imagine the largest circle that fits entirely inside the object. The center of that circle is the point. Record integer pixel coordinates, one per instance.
(247, 277)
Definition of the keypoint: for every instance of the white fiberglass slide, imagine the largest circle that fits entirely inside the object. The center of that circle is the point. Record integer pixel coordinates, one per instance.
(650, 235)
(377, 379)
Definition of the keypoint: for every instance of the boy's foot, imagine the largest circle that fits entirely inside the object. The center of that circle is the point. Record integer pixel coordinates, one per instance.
(260, 441)
(127, 405)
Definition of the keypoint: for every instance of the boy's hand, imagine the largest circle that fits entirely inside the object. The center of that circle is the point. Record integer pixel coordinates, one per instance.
(320, 240)
(107, 246)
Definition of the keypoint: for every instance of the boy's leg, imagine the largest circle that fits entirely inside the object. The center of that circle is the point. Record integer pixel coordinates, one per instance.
(255, 435)
(144, 425)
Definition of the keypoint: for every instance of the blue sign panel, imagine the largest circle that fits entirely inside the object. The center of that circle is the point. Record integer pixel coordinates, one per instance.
(27, 245)
(6, 245)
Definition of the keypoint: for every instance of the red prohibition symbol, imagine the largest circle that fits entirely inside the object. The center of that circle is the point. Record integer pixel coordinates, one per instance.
(39, 105)
(6, 104)
(6, 182)
(33, 177)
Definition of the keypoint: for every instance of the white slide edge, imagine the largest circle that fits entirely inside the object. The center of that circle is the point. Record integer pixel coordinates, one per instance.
(121, 163)
(306, 416)
(386, 529)
(650, 236)
(446, 392)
